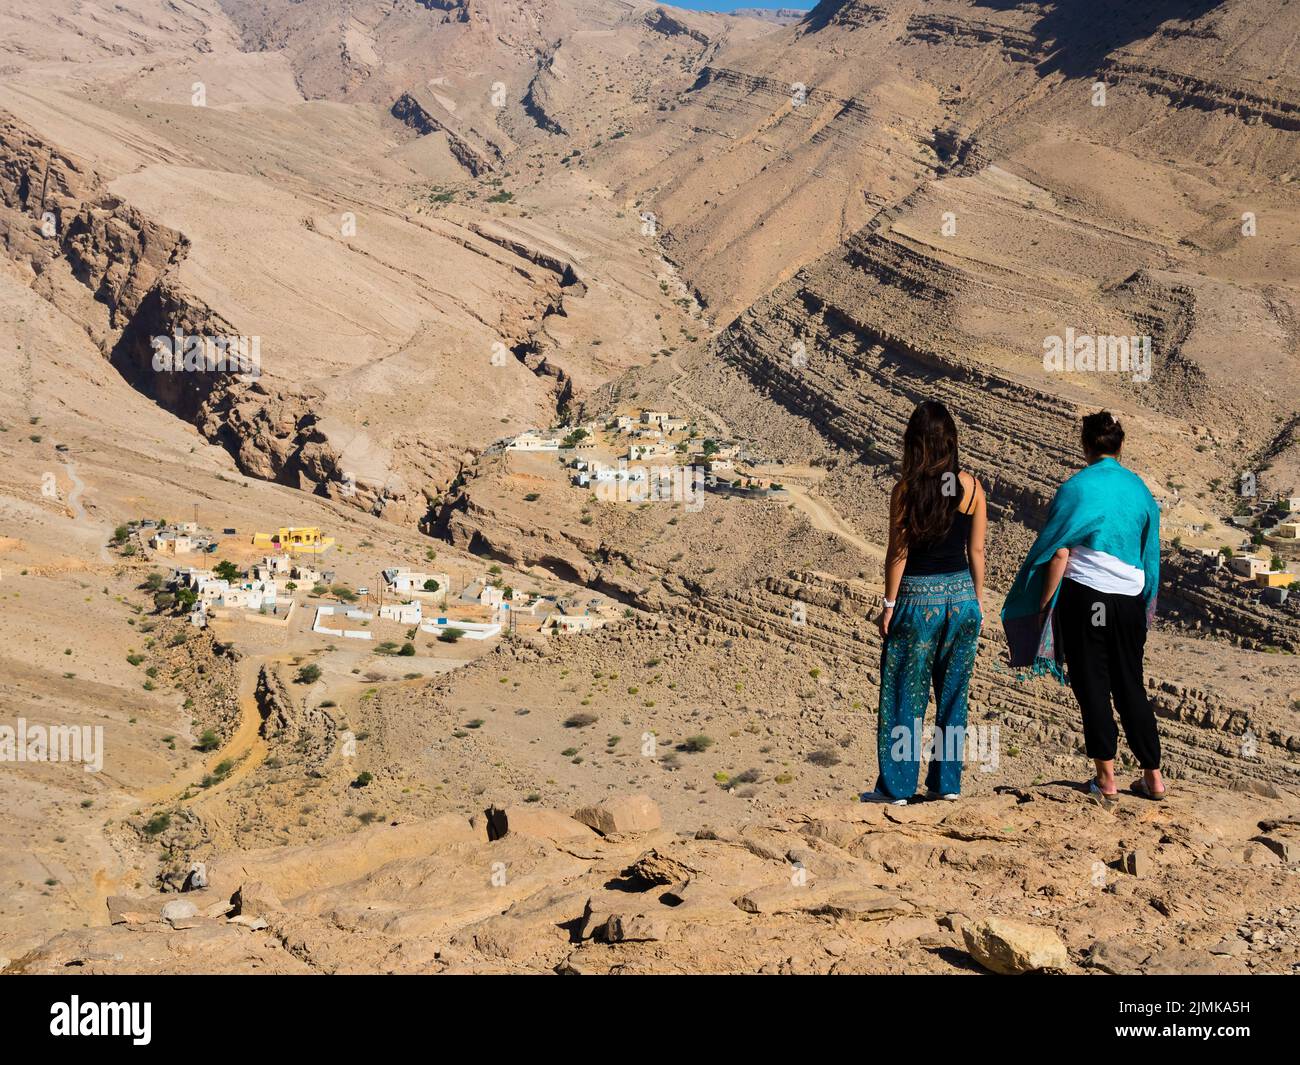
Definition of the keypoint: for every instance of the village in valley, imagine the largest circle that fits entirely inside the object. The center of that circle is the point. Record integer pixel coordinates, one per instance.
(650, 455)
(345, 613)
(298, 588)
(298, 581)
(1265, 563)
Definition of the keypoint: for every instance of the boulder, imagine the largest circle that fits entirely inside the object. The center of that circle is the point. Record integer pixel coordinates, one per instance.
(1010, 947)
(219, 908)
(197, 878)
(654, 867)
(253, 898)
(180, 913)
(592, 921)
(635, 928)
(1286, 849)
(622, 814)
(534, 821)
(255, 923)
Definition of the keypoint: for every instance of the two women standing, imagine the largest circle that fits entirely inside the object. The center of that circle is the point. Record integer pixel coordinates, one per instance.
(1084, 597)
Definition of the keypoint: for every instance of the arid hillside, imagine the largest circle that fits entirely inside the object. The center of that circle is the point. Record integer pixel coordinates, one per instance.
(465, 255)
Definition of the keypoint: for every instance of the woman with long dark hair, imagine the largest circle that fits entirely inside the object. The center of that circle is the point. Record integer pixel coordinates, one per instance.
(1085, 597)
(934, 577)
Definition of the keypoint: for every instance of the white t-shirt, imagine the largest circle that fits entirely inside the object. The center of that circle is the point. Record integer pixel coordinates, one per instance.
(1104, 573)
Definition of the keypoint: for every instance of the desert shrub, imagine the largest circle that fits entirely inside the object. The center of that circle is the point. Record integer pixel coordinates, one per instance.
(158, 824)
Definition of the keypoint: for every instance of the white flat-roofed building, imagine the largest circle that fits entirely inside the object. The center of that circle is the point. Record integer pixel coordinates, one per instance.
(1247, 565)
(534, 440)
(403, 613)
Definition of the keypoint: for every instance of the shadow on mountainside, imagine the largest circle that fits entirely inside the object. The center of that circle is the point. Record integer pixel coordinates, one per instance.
(1082, 33)
(1077, 35)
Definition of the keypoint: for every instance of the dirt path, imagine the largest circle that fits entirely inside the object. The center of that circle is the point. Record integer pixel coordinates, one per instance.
(827, 519)
(79, 511)
(246, 748)
(821, 513)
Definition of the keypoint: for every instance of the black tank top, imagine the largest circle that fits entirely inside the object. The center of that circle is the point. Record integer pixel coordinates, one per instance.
(947, 555)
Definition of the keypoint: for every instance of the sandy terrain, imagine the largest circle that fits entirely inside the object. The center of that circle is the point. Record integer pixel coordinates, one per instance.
(448, 225)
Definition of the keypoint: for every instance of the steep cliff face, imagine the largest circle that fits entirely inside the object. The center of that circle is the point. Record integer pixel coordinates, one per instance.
(57, 216)
(55, 208)
(478, 154)
(295, 419)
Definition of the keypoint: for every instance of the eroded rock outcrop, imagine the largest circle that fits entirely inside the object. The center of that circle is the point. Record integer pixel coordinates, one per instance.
(891, 893)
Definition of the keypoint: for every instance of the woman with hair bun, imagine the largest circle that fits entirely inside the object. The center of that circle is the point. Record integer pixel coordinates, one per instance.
(1085, 597)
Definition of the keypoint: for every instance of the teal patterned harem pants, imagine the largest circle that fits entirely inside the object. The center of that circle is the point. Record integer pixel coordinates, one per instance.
(931, 643)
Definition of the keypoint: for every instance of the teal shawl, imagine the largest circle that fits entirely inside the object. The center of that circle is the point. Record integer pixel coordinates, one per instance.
(1105, 507)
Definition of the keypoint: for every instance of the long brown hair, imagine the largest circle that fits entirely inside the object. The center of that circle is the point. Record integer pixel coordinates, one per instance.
(930, 489)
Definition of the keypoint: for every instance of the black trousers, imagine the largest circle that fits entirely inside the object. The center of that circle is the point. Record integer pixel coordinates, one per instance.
(1103, 636)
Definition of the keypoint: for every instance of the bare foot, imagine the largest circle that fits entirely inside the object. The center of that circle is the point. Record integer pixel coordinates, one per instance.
(1152, 783)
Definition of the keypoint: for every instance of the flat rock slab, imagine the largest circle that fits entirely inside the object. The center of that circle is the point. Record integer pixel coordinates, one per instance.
(535, 821)
(622, 814)
(863, 906)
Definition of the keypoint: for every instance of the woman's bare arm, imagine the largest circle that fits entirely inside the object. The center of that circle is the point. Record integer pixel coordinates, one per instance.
(1052, 579)
(895, 556)
(978, 528)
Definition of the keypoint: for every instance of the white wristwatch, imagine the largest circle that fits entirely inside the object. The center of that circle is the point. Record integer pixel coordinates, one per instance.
(889, 603)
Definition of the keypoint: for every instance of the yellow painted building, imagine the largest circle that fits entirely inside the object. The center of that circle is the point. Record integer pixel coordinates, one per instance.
(1275, 580)
(297, 540)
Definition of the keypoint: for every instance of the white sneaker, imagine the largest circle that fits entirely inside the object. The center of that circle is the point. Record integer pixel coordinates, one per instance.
(877, 796)
(950, 796)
